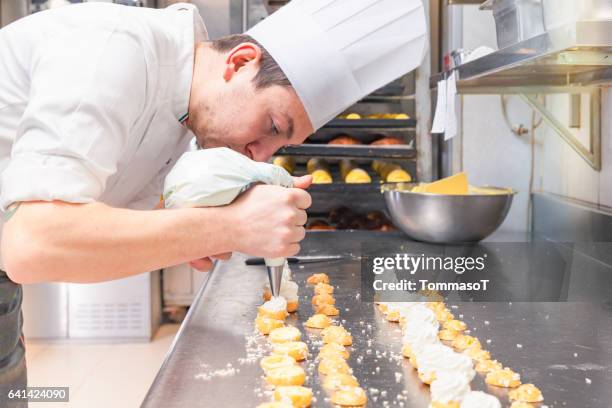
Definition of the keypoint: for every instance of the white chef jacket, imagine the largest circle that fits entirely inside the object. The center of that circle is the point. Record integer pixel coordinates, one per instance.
(91, 102)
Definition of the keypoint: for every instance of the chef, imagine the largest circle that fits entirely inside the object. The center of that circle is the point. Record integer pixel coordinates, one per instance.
(98, 101)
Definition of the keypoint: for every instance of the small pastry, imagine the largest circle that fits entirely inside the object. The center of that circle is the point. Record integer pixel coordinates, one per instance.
(318, 321)
(266, 324)
(477, 354)
(449, 388)
(290, 375)
(479, 399)
(275, 404)
(503, 378)
(456, 325)
(337, 334)
(521, 404)
(464, 342)
(444, 315)
(450, 404)
(328, 310)
(276, 308)
(323, 299)
(333, 350)
(393, 316)
(334, 365)
(349, 396)
(296, 349)
(526, 393)
(486, 366)
(436, 306)
(448, 335)
(285, 334)
(317, 278)
(298, 396)
(407, 351)
(322, 288)
(335, 381)
(275, 361)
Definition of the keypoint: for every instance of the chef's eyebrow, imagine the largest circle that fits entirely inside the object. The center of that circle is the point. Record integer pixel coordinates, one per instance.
(289, 132)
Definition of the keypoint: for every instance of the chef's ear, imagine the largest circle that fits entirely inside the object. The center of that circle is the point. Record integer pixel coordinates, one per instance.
(241, 56)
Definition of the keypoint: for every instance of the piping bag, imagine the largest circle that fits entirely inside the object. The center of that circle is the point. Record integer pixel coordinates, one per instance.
(216, 177)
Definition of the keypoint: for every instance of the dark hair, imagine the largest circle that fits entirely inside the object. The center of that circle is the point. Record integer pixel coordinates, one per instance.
(270, 73)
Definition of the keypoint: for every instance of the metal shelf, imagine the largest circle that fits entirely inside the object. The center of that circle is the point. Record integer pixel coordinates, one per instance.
(569, 57)
(405, 152)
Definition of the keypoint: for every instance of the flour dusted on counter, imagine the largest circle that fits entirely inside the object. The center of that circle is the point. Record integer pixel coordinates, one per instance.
(215, 177)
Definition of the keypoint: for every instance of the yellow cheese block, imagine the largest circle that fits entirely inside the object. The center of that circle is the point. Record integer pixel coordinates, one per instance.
(453, 185)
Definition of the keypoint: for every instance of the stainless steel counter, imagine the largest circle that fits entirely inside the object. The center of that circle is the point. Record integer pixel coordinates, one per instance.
(564, 348)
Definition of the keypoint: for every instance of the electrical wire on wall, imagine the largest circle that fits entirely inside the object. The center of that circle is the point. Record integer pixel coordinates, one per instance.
(520, 130)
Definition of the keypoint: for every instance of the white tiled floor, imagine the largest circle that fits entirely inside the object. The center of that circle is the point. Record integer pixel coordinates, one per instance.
(99, 375)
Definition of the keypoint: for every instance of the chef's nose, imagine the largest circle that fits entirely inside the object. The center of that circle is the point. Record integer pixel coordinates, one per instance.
(262, 151)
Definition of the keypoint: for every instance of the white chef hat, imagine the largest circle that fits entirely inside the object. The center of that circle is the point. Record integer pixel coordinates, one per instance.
(335, 52)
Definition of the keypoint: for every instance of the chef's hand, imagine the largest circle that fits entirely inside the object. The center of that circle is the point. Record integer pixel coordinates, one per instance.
(206, 264)
(269, 220)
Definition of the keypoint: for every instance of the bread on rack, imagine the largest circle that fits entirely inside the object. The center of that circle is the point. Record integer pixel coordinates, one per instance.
(391, 172)
(344, 140)
(352, 174)
(319, 170)
(387, 141)
(286, 162)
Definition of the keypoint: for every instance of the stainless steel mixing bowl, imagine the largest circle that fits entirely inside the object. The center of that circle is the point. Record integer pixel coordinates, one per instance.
(442, 218)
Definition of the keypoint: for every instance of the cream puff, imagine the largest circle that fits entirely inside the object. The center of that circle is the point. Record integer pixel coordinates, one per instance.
(464, 342)
(455, 325)
(285, 335)
(328, 310)
(323, 299)
(477, 354)
(290, 375)
(334, 365)
(297, 395)
(266, 324)
(337, 334)
(321, 288)
(448, 334)
(296, 349)
(317, 278)
(526, 393)
(275, 361)
(349, 396)
(503, 378)
(318, 321)
(486, 366)
(335, 381)
(276, 308)
(333, 349)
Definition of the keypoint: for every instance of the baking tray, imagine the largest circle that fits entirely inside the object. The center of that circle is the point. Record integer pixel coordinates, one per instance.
(353, 151)
(564, 348)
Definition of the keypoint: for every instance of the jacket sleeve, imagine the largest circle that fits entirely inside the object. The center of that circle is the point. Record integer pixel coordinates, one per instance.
(87, 89)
